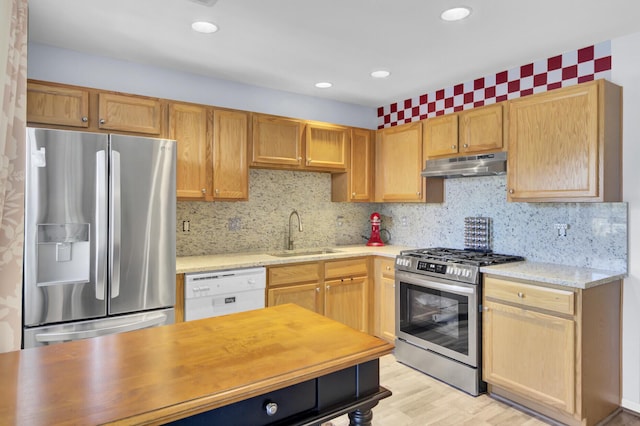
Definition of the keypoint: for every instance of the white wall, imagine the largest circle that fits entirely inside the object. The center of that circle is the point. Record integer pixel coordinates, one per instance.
(66, 66)
(626, 72)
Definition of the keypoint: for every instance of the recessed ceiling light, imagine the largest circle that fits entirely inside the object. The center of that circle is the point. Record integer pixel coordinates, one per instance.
(455, 14)
(323, 85)
(204, 27)
(380, 74)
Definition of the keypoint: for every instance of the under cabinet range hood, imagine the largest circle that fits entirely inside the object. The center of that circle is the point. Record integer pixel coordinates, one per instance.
(469, 166)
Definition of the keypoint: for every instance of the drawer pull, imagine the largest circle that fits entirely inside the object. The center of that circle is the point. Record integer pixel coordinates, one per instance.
(271, 408)
(521, 295)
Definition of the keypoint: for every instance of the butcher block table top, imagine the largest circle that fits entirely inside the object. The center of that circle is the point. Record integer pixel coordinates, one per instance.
(165, 373)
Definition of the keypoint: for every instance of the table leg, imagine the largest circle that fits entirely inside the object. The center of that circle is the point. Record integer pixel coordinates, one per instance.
(363, 416)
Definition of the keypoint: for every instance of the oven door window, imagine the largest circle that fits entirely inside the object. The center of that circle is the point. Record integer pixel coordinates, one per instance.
(435, 316)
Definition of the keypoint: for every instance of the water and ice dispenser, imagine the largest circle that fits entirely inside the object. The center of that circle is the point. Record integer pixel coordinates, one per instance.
(63, 253)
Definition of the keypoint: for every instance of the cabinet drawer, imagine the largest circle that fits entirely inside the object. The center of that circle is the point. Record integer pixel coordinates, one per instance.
(561, 301)
(345, 268)
(292, 274)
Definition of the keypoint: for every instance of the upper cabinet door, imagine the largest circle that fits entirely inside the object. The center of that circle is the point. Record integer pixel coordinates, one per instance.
(565, 145)
(481, 129)
(399, 163)
(61, 106)
(326, 146)
(188, 126)
(230, 148)
(276, 141)
(441, 136)
(361, 171)
(126, 113)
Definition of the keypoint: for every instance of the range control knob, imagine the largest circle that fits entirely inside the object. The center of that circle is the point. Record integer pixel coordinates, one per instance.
(271, 408)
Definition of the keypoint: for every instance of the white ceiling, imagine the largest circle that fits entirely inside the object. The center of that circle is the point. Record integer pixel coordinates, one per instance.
(292, 44)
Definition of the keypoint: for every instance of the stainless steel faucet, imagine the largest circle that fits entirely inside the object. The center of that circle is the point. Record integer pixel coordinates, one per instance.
(295, 212)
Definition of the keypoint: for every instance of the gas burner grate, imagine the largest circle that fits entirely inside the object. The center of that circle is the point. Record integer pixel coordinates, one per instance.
(461, 256)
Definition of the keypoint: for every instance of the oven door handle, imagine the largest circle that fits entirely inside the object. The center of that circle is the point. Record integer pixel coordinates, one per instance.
(436, 285)
(451, 288)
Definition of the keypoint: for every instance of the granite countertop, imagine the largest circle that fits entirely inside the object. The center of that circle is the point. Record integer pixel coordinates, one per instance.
(550, 273)
(219, 262)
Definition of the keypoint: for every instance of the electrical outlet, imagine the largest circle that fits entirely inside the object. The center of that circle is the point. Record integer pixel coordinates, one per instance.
(562, 229)
(186, 226)
(404, 221)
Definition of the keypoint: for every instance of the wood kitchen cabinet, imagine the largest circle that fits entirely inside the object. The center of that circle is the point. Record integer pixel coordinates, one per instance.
(384, 298)
(230, 151)
(128, 113)
(551, 349)
(189, 125)
(326, 146)
(211, 152)
(338, 289)
(276, 142)
(346, 297)
(297, 283)
(399, 162)
(179, 309)
(79, 108)
(475, 131)
(57, 105)
(565, 145)
(356, 184)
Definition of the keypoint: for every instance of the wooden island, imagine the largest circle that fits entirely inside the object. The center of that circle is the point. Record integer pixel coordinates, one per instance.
(283, 365)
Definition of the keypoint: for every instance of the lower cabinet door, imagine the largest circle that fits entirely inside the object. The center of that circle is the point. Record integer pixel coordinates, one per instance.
(346, 302)
(530, 353)
(307, 296)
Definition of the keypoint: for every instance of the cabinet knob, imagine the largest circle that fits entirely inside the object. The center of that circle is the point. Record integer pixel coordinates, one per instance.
(217, 191)
(466, 145)
(271, 408)
(485, 309)
(85, 119)
(521, 295)
(353, 194)
(102, 121)
(418, 193)
(453, 146)
(299, 159)
(204, 190)
(388, 268)
(511, 191)
(328, 287)
(317, 289)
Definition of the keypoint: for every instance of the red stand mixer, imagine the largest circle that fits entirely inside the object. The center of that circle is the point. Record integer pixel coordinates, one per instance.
(375, 239)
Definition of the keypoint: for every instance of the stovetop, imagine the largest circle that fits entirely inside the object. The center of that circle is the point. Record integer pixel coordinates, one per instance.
(452, 264)
(467, 257)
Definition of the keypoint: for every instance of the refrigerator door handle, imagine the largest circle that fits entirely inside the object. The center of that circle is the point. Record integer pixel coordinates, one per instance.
(116, 222)
(146, 322)
(100, 266)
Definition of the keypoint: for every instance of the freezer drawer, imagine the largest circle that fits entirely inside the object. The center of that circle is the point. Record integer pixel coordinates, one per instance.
(59, 333)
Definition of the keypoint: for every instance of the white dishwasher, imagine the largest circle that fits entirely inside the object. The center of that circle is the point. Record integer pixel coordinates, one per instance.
(211, 294)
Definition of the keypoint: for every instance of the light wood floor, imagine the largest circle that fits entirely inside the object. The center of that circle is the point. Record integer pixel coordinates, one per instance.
(419, 400)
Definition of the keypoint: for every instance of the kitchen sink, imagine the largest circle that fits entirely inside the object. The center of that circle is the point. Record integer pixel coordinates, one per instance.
(310, 252)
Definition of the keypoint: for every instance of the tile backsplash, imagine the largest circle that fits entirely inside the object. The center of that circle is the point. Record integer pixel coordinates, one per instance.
(262, 223)
(596, 236)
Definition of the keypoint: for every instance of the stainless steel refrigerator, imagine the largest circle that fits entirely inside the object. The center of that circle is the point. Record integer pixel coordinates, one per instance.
(99, 249)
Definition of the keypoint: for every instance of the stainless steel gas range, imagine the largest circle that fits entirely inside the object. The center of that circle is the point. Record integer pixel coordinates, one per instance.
(438, 313)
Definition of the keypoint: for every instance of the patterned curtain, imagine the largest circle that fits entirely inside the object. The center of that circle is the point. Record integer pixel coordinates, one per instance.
(13, 81)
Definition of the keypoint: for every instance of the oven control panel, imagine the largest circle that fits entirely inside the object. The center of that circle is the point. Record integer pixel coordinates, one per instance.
(432, 267)
(457, 272)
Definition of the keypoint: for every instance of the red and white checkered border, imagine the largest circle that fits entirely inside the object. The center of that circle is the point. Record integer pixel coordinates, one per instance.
(570, 68)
